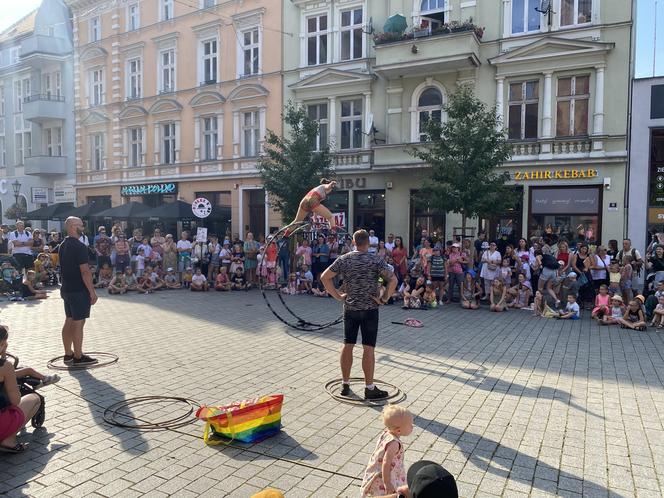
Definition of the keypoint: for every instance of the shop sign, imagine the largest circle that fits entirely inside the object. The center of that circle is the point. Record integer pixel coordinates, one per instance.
(64, 193)
(351, 183)
(564, 200)
(39, 195)
(148, 189)
(339, 219)
(555, 174)
(201, 207)
(656, 216)
(657, 185)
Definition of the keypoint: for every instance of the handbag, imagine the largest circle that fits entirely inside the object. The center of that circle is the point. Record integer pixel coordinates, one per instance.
(248, 421)
(583, 280)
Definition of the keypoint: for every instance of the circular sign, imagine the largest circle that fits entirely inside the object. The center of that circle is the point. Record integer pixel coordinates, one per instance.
(201, 207)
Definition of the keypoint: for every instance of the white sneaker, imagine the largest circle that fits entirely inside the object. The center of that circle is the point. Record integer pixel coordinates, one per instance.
(48, 380)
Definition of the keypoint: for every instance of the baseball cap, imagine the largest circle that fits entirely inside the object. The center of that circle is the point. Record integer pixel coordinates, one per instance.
(427, 479)
(471, 273)
(456, 245)
(572, 274)
(169, 269)
(485, 245)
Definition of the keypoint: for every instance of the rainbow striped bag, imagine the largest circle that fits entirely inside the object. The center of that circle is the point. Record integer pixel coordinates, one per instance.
(248, 421)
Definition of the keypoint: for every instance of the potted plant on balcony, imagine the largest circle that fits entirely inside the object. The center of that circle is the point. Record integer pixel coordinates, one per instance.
(421, 31)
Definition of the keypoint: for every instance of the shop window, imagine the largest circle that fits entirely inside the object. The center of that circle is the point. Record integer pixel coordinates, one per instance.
(572, 106)
(219, 221)
(337, 202)
(523, 110)
(369, 211)
(570, 213)
(507, 224)
(424, 217)
(657, 102)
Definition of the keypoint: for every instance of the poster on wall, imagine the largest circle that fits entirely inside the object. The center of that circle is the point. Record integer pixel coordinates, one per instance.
(201, 234)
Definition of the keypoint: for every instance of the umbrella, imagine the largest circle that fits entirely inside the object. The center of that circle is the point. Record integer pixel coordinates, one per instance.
(52, 212)
(127, 211)
(84, 211)
(395, 24)
(178, 210)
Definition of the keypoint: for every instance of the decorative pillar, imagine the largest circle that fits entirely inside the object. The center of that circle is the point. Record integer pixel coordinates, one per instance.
(547, 120)
(197, 138)
(220, 135)
(332, 126)
(500, 105)
(598, 121)
(178, 142)
(368, 116)
(236, 134)
(262, 130)
(507, 18)
(157, 145)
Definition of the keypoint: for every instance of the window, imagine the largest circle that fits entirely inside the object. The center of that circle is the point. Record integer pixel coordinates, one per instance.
(575, 12)
(351, 124)
(133, 20)
(27, 143)
(251, 51)
(524, 16)
(250, 133)
(432, 13)
(572, 106)
(317, 40)
(95, 29)
(318, 112)
(210, 138)
(352, 37)
(97, 152)
(54, 141)
(135, 147)
(168, 143)
(206, 4)
(2, 100)
(18, 148)
(21, 92)
(209, 62)
(167, 71)
(3, 153)
(134, 78)
(523, 110)
(96, 87)
(165, 10)
(13, 55)
(429, 106)
(53, 84)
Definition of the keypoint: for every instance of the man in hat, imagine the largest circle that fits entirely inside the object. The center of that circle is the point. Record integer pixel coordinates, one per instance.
(427, 479)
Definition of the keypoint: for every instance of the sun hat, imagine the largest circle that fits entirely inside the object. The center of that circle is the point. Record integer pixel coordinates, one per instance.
(485, 245)
(572, 274)
(640, 298)
(457, 245)
(427, 479)
(617, 297)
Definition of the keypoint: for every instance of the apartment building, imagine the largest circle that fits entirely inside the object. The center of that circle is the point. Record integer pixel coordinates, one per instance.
(36, 98)
(173, 100)
(559, 79)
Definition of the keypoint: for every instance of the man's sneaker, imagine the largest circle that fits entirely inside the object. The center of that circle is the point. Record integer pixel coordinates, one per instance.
(68, 359)
(374, 393)
(85, 360)
(48, 380)
(345, 389)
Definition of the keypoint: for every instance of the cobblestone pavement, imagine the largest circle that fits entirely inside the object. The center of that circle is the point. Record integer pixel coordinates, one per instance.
(512, 405)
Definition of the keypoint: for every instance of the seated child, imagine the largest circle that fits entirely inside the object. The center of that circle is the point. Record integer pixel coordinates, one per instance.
(221, 282)
(45, 272)
(520, 293)
(634, 317)
(23, 372)
(412, 299)
(572, 310)
(187, 277)
(130, 279)
(570, 285)
(658, 314)
(615, 313)
(29, 289)
(385, 472)
(199, 282)
(117, 285)
(291, 288)
(105, 276)
(306, 279)
(11, 279)
(429, 296)
(237, 279)
(157, 282)
(318, 290)
(144, 282)
(498, 296)
(602, 301)
(171, 279)
(470, 291)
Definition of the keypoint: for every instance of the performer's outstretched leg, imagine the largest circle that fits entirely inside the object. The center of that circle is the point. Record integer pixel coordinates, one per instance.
(321, 210)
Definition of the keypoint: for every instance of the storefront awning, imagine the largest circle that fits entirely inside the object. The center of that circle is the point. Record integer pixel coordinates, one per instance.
(178, 210)
(52, 212)
(131, 210)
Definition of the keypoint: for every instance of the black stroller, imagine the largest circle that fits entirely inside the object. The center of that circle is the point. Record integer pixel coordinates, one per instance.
(28, 385)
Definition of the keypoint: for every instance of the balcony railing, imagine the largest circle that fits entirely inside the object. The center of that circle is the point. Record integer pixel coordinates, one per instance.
(426, 32)
(360, 158)
(44, 97)
(555, 146)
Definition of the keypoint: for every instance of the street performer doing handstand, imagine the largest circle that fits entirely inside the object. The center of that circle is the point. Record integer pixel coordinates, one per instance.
(312, 203)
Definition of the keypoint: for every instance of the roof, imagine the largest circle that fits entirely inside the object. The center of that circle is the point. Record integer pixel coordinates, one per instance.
(23, 26)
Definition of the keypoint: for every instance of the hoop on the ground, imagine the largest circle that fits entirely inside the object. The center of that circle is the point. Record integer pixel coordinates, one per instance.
(12, 358)
(114, 412)
(279, 239)
(105, 359)
(394, 394)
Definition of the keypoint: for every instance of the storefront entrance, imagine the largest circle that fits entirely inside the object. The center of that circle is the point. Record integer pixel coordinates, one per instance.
(423, 217)
(219, 221)
(508, 224)
(656, 197)
(570, 213)
(369, 211)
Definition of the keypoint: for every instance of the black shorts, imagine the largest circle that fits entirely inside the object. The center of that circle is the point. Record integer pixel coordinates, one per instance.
(77, 304)
(366, 321)
(437, 279)
(25, 261)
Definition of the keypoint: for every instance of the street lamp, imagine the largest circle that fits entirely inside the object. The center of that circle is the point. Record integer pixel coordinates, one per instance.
(17, 190)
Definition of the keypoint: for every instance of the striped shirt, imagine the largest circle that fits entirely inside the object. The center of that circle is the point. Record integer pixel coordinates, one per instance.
(360, 272)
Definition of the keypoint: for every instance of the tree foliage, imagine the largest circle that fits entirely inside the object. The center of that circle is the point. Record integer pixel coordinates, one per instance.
(464, 153)
(15, 212)
(290, 166)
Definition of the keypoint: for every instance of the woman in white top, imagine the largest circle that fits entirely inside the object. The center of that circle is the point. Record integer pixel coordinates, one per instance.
(599, 267)
(491, 260)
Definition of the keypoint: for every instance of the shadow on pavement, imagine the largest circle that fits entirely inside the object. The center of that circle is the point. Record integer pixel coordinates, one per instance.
(281, 445)
(99, 394)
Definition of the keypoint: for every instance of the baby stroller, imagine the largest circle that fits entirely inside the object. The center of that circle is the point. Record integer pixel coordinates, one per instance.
(28, 385)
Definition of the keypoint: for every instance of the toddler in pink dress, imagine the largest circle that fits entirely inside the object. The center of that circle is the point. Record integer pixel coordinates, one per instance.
(385, 471)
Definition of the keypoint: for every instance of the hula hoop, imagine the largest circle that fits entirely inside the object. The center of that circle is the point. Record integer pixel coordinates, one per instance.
(395, 395)
(110, 359)
(13, 358)
(113, 412)
(301, 324)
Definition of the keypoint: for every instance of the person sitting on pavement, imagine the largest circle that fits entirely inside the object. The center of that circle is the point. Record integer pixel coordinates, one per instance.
(11, 279)
(221, 282)
(130, 279)
(171, 279)
(237, 280)
(117, 285)
(105, 276)
(199, 282)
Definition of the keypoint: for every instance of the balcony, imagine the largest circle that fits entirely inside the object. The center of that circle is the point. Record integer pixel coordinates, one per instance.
(356, 159)
(559, 148)
(45, 45)
(408, 55)
(43, 107)
(45, 165)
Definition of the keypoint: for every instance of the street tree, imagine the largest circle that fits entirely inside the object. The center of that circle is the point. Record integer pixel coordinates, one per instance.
(291, 166)
(465, 151)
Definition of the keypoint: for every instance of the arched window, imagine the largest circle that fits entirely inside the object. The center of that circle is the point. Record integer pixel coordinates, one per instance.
(432, 13)
(429, 106)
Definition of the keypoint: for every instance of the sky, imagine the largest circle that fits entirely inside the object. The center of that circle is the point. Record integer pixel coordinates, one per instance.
(13, 10)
